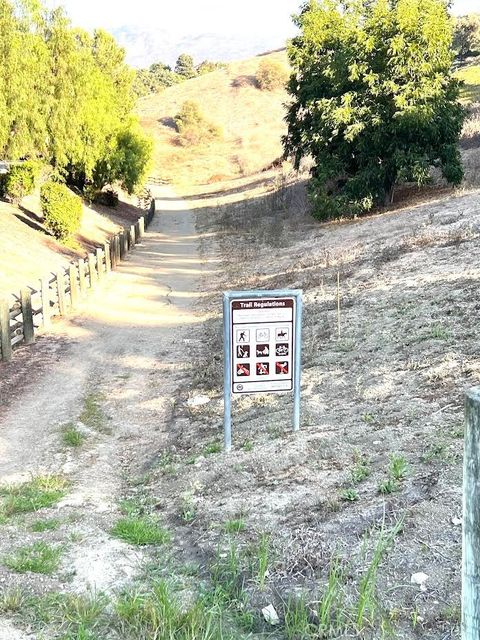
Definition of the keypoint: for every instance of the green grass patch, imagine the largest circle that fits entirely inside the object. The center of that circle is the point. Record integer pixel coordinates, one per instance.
(470, 90)
(235, 525)
(141, 530)
(211, 448)
(37, 558)
(49, 524)
(71, 436)
(92, 414)
(38, 493)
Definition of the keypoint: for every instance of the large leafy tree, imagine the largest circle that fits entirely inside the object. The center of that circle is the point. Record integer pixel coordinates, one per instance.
(373, 102)
(66, 96)
(466, 38)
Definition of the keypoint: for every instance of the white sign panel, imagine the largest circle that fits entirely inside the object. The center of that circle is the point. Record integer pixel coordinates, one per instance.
(262, 339)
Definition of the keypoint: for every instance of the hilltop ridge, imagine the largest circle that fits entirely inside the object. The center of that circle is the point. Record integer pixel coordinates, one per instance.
(251, 121)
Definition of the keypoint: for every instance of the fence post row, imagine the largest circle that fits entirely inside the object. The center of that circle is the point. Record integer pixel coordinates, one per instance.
(97, 265)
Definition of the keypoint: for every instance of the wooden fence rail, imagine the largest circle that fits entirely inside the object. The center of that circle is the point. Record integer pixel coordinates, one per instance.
(62, 291)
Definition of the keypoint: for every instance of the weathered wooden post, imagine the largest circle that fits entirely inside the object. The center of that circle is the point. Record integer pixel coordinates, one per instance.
(62, 307)
(81, 277)
(116, 247)
(72, 275)
(91, 270)
(27, 316)
(106, 250)
(471, 518)
(132, 235)
(122, 245)
(124, 242)
(141, 227)
(100, 269)
(137, 231)
(45, 290)
(5, 339)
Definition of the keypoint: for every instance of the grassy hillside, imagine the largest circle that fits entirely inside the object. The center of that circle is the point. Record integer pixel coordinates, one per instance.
(251, 121)
(28, 251)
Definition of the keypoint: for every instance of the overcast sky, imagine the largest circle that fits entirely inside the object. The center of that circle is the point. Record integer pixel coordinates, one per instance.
(243, 26)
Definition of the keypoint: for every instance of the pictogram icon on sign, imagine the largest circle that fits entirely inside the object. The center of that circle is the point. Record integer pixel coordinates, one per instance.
(281, 367)
(263, 368)
(243, 369)
(281, 349)
(263, 350)
(243, 335)
(243, 351)
(263, 335)
(282, 333)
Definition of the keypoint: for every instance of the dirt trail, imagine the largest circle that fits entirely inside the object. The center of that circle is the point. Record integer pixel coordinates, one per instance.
(122, 353)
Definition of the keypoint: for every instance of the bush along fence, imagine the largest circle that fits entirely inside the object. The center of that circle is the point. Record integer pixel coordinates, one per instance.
(62, 291)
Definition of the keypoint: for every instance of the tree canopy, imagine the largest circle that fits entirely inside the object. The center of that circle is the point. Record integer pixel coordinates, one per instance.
(66, 96)
(466, 38)
(374, 102)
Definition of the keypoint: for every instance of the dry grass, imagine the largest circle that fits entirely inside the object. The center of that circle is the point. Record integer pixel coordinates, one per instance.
(29, 252)
(251, 121)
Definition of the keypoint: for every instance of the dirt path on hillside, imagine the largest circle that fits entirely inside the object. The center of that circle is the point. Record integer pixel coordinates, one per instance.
(112, 371)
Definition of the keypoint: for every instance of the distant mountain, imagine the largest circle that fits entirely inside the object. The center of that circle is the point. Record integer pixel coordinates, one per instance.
(145, 46)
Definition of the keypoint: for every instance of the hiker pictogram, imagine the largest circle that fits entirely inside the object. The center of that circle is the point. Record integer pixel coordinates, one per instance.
(281, 349)
(281, 367)
(263, 350)
(243, 335)
(243, 351)
(263, 335)
(282, 333)
(263, 368)
(243, 369)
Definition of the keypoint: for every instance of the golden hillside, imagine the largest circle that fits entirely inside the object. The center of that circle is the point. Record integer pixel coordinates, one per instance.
(251, 121)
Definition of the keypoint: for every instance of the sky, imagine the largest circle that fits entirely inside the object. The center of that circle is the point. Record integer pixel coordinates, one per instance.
(153, 30)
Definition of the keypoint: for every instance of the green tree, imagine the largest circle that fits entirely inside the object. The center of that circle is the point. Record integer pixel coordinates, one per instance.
(466, 36)
(373, 100)
(184, 66)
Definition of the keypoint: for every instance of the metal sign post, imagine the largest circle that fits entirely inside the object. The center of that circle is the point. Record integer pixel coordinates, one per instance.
(262, 336)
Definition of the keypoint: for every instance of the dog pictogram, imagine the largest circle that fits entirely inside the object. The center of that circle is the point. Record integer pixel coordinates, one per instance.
(263, 350)
(243, 351)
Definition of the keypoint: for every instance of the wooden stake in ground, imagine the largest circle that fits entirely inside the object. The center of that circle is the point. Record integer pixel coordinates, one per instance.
(471, 519)
(339, 329)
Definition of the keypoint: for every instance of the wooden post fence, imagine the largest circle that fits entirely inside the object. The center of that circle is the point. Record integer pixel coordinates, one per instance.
(74, 293)
(18, 323)
(471, 519)
(62, 307)
(27, 316)
(46, 298)
(5, 331)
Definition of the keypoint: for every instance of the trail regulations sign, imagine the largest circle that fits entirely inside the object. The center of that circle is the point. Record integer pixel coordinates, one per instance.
(262, 345)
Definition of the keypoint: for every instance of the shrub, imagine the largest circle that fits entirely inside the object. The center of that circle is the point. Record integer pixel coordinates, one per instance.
(19, 181)
(62, 210)
(271, 75)
(108, 198)
(193, 127)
